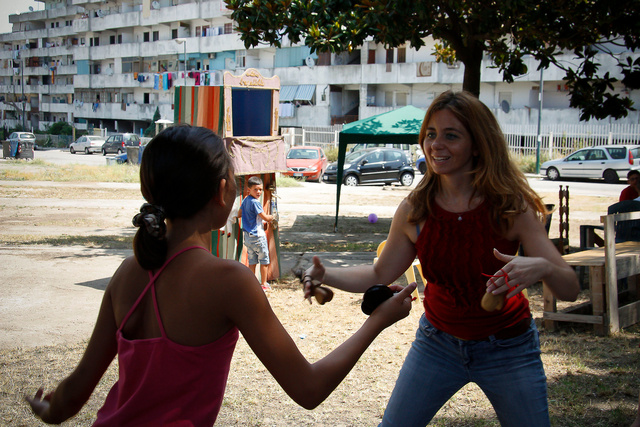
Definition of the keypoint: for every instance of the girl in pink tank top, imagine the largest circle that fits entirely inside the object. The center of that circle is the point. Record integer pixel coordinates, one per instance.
(172, 312)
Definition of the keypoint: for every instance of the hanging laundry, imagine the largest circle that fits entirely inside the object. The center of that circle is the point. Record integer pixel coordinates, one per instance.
(163, 80)
(135, 76)
(206, 79)
(160, 84)
(156, 81)
(197, 76)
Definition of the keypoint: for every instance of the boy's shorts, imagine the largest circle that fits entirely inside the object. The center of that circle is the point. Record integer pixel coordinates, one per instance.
(257, 248)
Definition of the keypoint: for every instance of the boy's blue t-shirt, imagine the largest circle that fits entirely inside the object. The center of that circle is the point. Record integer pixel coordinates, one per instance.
(251, 208)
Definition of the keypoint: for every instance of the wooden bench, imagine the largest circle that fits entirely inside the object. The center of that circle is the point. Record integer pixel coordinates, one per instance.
(606, 266)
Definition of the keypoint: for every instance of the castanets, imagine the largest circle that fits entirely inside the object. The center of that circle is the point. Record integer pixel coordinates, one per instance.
(373, 297)
(322, 294)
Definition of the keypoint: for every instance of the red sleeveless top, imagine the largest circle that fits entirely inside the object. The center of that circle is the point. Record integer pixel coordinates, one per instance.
(164, 383)
(454, 250)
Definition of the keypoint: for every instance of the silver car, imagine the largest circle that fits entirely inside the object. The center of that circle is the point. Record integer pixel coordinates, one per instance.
(608, 162)
(89, 144)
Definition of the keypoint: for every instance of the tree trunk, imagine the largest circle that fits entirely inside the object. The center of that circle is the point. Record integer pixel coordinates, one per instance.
(472, 60)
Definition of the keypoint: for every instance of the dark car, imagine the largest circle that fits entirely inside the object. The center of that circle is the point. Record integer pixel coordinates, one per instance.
(373, 165)
(20, 145)
(421, 165)
(118, 143)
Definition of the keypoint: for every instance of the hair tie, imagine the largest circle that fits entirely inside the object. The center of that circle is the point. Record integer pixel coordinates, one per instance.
(152, 217)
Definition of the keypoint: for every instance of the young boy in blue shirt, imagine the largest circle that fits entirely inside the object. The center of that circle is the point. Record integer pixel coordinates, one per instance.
(255, 238)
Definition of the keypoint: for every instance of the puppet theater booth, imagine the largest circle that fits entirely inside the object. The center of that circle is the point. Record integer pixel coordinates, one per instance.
(399, 126)
(244, 112)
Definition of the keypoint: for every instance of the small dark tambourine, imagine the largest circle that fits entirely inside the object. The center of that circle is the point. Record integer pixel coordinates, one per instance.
(374, 296)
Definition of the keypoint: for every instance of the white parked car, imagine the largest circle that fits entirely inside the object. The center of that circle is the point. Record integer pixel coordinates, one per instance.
(88, 143)
(608, 162)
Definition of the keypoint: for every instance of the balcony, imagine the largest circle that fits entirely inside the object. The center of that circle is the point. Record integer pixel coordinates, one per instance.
(53, 107)
(115, 21)
(111, 81)
(113, 110)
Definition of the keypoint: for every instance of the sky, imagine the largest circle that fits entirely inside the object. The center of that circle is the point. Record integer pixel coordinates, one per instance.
(11, 7)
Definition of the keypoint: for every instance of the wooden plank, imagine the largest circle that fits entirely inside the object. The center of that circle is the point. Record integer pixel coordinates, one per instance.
(630, 314)
(550, 306)
(611, 275)
(576, 318)
(596, 290)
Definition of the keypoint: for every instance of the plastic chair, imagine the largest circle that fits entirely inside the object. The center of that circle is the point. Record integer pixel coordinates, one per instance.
(409, 274)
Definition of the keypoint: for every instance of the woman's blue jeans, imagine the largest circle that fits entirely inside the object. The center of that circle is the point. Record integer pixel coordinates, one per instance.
(508, 371)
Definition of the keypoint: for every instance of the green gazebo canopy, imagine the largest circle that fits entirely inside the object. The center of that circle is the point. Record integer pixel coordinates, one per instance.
(400, 126)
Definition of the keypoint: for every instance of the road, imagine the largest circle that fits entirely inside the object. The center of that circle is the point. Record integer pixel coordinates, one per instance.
(64, 157)
(583, 188)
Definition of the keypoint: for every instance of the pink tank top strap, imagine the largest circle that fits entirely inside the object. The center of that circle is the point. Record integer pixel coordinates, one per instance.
(152, 281)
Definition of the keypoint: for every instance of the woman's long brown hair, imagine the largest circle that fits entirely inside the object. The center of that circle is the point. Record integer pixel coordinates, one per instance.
(494, 175)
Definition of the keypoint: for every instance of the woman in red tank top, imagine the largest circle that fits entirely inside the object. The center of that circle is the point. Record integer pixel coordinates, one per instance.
(172, 312)
(465, 221)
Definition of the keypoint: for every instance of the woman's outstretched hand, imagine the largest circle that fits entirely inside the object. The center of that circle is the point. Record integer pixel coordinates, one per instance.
(39, 405)
(519, 273)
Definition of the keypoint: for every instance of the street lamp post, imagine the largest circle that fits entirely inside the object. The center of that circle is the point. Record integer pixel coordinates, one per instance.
(24, 114)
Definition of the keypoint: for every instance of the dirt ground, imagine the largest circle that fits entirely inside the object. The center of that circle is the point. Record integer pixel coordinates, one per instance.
(51, 294)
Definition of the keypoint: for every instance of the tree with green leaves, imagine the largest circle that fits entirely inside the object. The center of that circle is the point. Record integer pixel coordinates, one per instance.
(466, 30)
(151, 130)
(61, 128)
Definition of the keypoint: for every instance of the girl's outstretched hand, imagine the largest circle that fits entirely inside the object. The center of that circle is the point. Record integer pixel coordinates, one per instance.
(397, 307)
(313, 276)
(39, 405)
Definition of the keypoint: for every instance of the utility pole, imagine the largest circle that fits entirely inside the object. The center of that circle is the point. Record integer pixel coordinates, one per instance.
(539, 142)
(24, 115)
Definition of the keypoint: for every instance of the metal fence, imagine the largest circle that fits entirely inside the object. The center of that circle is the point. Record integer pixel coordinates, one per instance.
(321, 136)
(560, 140)
(555, 140)
(57, 141)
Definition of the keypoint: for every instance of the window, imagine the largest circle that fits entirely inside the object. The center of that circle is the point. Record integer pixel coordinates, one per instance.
(174, 33)
(145, 36)
(391, 156)
(146, 98)
(228, 28)
(578, 156)
(156, 36)
(372, 57)
(401, 99)
(198, 31)
(402, 55)
(389, 56)
(119, 38)
(241, 56)
(618, 153)
(112, 39)
(597, 155)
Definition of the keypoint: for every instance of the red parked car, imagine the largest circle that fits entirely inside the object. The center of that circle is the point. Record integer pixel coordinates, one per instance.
(306, 162)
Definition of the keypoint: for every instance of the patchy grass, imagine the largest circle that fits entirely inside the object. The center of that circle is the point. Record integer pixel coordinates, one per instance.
(101, 242)
(38, 170)
(593, 381)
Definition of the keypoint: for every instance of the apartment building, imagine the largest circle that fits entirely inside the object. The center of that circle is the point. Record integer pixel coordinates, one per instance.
(111, 64)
